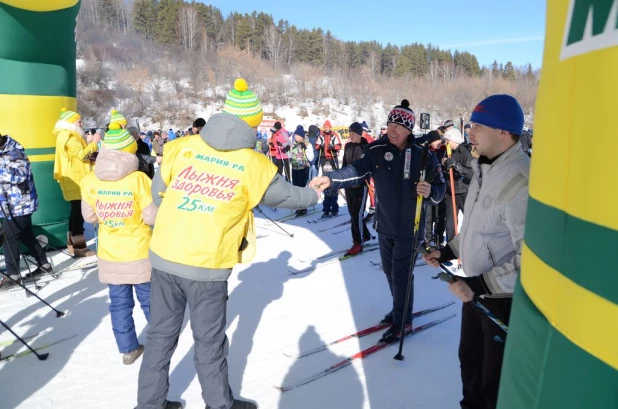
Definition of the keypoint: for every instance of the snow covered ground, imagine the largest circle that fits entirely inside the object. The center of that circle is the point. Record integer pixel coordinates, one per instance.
(270, 311)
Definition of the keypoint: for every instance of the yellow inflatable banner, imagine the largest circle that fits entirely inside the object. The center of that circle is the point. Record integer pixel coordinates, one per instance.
(562, 347)
(37, 79)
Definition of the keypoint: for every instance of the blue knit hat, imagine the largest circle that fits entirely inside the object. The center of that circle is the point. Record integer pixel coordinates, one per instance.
(300, 131)
(500, 112)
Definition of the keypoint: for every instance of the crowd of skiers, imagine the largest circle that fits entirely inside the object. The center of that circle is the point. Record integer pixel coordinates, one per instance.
(151, 224)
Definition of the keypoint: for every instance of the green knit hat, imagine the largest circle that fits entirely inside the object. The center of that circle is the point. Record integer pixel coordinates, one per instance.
(69, 116)
(244, 104)
(117, 118)
(119, 140)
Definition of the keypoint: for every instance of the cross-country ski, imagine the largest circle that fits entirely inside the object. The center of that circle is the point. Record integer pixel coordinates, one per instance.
(359, 355)
(364, 332)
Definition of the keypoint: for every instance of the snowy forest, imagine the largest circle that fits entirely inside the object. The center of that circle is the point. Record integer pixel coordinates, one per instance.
(163, 58)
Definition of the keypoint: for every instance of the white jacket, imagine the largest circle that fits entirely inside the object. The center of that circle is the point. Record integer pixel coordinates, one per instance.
(492, 234)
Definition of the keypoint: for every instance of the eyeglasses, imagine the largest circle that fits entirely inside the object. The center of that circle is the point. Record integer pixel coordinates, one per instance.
(383, 129)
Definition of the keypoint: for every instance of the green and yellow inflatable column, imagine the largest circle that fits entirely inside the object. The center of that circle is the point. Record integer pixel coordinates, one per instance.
(562, 347)
(37, 79)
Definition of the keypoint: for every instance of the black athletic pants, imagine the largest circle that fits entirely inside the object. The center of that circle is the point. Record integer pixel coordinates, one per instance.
(76, 220)
(356, 198)
(19, 229)
(283, 167)
(435, 222)
(396, 255)
(460, 199)
(481, 348)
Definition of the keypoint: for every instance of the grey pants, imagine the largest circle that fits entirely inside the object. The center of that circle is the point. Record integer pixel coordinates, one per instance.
(169, 295)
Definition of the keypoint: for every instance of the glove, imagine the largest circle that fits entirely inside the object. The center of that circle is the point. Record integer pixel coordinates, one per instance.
(303, 146)
(452, 163)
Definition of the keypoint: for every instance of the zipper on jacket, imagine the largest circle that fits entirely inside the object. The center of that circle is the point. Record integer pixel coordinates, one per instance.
(491, 257)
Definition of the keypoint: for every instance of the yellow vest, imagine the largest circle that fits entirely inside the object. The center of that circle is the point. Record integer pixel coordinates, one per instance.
(207, 207)
(123, 235)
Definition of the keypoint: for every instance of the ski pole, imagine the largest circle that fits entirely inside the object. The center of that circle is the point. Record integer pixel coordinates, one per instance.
(273, 222)
(58, 313)
(14, 236)
(452, 178)
(41, 357)
(417, 222)
(446, 276)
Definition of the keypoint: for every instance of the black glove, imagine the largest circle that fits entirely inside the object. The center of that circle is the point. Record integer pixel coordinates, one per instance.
(452, 163)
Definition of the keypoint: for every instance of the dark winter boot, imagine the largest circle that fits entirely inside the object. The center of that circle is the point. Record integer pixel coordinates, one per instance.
(171, 405)
(325, 215)
(388, 318)
(392, 334)
(302, 212)
(80, 248)
(355, 249)
(241, 404)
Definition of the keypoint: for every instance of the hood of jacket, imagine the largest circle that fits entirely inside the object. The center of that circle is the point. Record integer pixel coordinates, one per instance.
(114, 165)
(10, 145)
(226, 132)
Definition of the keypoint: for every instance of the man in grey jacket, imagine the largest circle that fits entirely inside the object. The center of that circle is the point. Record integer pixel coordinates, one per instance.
(194, 248)
(489, 244)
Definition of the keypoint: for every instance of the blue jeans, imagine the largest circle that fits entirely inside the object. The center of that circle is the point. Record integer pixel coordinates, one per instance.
(121, 311)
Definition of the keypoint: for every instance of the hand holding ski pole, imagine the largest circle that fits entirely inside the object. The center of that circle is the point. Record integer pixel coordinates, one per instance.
(432, 257)
(463, 290)
(423, 189)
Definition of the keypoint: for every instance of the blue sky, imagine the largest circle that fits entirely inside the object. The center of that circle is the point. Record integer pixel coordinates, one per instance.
(492, 30)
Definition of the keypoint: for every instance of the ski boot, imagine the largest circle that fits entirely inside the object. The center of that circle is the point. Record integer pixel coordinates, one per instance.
(355, 249)
(388, 318)
(392, 334)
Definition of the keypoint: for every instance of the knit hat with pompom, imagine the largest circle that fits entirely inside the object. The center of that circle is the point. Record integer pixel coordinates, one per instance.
(244, 104)
(402, 115)
(69, 116)
(117, 120)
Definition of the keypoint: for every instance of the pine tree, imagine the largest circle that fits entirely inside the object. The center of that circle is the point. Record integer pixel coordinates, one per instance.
(495, 71)
(145, 17)
(509, 71)
(167, 18)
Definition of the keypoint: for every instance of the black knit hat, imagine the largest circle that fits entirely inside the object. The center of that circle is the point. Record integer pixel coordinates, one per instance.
(356, 128)
(448, 123)
(402, 115)
(433, 136)
(276, 127)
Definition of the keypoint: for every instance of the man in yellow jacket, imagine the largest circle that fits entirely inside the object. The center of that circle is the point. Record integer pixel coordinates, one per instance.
(72, 163)
(206, 188)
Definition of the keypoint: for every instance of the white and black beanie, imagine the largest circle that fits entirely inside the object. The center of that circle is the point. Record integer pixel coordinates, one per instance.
(402, 115)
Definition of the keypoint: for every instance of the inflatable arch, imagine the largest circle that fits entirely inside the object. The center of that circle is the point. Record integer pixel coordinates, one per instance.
(562, 347)
(37, 79)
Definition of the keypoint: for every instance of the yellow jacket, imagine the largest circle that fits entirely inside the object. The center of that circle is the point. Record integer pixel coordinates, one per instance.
(118, 197)
(208, 197)
(72, 161)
